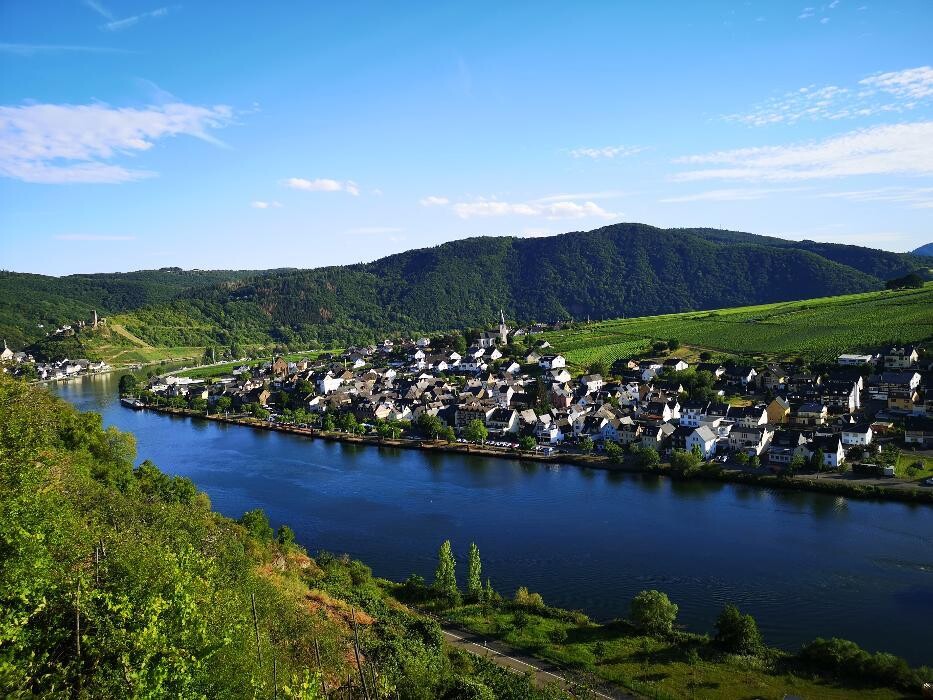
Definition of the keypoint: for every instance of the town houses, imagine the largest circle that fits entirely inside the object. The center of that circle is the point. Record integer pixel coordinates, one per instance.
(516, 386)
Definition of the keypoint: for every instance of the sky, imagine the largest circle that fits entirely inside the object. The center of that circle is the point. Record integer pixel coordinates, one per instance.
(137, 135)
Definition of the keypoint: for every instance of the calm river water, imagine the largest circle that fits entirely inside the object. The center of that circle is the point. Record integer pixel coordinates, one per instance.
(805, 565)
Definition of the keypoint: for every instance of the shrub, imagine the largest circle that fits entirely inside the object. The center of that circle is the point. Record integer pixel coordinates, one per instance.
(257, 524)
(738, 633)
(845, 658)
(653, 613)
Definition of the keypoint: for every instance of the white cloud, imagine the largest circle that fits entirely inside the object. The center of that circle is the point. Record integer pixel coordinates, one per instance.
(373, 230)
(550, 210)
(834, 4)
(909, 84)
(882, 150)
(49, 143)
(915, 197)
(606, 152)
(806, 13)
(892, 92)
(323, 184)
(434, 201)
(726, 195)
(824, 20)
(125, 23)
(99, 9)
(91, 237)
(575, 196)
(258, 204)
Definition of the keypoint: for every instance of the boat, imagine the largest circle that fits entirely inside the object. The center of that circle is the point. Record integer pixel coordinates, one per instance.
(132, 402)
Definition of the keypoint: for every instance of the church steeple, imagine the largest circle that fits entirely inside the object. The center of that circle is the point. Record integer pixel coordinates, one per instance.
(503, 329)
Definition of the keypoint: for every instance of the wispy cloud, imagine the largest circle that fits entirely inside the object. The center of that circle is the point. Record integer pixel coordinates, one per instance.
(905, 149)
(61, 143)
(892, 92)
(374, 230)
(34, 49)
(127, 22)
(807, 13)
(434, 201)
(99, 9)
(549, 210)
(322, 184)
(606, 152)
(259, 204)
(91, 237)
(914, 197)
(576, 196)
(728, 195)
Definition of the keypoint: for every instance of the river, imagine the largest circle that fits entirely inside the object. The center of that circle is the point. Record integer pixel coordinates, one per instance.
(805, 565)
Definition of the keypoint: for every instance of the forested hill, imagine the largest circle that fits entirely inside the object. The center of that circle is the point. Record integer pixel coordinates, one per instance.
(28, 300)
(926, 250)
(625, 269)
(619, 270)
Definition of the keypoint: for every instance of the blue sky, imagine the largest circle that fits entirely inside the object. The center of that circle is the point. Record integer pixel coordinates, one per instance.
(242, 135)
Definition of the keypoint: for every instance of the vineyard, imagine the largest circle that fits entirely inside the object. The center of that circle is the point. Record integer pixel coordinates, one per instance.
(814, 329)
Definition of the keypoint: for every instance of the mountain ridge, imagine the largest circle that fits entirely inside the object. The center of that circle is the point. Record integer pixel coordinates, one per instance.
(617, 270)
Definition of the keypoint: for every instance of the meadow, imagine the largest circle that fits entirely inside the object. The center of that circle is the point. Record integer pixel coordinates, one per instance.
(816, 330)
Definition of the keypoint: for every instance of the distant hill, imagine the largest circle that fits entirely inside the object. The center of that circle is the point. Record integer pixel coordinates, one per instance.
(618, 270)
(925, 250)
(28, 300)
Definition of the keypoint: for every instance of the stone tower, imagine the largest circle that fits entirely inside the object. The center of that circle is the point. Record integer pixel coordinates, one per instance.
(503, 329)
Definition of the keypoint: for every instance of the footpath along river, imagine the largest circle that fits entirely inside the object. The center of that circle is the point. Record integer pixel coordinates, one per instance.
(804, 564)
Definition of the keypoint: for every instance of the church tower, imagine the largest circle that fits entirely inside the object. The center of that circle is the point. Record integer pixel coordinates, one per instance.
(95, 319)
(503, 329)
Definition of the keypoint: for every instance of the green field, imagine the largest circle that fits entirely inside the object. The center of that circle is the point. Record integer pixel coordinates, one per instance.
(814, 329)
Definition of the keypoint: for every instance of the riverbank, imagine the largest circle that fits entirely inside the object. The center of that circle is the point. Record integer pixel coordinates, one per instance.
(838, 484)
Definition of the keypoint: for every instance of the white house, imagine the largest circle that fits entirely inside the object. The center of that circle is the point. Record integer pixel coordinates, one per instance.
(329, 383)
(859, 434)
(552, 362)
(704, 439)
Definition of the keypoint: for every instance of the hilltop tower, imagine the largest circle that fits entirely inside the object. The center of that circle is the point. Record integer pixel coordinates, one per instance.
(95, 319)
(503, 329)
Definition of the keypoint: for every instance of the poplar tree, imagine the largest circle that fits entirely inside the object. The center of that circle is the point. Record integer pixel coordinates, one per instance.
(445, 576)
(474, 573)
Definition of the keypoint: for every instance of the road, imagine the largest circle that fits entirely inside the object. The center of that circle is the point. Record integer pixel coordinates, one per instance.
(516, 660)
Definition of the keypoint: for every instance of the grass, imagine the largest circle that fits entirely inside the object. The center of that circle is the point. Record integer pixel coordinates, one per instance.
(814, 329)
(656, 667)
(906, 459)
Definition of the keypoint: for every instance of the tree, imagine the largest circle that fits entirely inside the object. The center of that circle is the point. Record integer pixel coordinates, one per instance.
(285, 536)
(328, 424)
(128, 385)
(474, 573)
(613, 452)
(817, 459)
(447, 433)
(738, 633)
(649, 458)
(659, 346)
(476, 431)
(673, 343)
(224, 404)
(600, 366)
(706, 356)
(653, 613)
(257, 524)
(445, 575)
(586, 444)
(526, 443)
(429, 425)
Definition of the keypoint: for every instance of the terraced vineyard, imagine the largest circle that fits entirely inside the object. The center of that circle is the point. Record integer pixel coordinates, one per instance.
(815, 329)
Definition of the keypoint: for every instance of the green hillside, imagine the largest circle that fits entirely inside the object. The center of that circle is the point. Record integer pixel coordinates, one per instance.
(815, 329)
(28, 300)
(626, 269)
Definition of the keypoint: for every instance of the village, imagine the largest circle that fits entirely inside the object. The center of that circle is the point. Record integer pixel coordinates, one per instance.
(770, 417)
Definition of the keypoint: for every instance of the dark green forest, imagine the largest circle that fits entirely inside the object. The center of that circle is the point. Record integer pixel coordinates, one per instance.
(619, 270)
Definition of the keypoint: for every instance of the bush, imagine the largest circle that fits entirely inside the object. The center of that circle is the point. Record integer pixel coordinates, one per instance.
(653, 613)
(528, 600)
(738, 633)
(257, 524)
(845, 658)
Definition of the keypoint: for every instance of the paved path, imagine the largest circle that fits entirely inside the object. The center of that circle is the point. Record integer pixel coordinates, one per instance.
(515, 660)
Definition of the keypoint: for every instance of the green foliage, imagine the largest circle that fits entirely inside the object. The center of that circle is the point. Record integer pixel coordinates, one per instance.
(685, 461)
(475, 431)
(648, 458)
(613, 452)
(474, 573)
(738, 633)
(848, 660)
(653, 613)
(526, 443)
(128, 384)
(285, 536)
(445, 575)
(586, 444)
(528, 600)
(257, 524)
